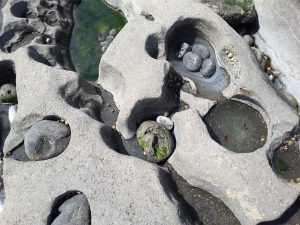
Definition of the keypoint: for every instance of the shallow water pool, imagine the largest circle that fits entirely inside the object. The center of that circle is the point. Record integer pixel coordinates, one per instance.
(93, 22)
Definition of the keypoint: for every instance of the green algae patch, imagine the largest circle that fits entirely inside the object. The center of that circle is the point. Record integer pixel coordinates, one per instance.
(93, 22)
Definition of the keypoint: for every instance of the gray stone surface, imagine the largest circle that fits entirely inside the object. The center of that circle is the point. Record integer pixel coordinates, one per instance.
(234, 178)
(278, 37)
(253, 195)
(208, 67)
(201, 50)
(234, 12)
(74, 211)
(249, 39)
(117, 186)
(46, 139)
(121, 189)
(192, 61)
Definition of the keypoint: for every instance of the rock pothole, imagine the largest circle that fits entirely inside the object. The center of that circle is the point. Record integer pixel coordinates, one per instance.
(71, 208)
(209, 208)
(236, 126)
(155, 140)
(20, 9)
(192, 56)
(46, 139)
(96, 26)
(286, 159)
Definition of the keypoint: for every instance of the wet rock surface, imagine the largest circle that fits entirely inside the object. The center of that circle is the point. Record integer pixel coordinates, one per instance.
(236, 126)
(286, 159)
(141, 77)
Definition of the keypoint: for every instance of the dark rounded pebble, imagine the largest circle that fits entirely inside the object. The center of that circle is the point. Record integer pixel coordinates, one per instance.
(46, 139)
(208, 67)
(201, 50)
(192, 61)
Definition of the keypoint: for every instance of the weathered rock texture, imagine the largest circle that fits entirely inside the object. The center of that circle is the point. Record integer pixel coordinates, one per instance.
(245, 182)
(233, 11)
(279, 37)
(121, 189)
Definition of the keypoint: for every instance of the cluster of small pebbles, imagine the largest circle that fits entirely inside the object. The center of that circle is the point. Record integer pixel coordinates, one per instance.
(197, 58)
(107, 38)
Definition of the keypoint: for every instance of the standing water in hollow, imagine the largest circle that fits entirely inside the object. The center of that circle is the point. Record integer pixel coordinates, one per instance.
(95, 26)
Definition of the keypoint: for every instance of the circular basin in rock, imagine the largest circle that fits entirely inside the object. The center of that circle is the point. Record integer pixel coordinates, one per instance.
(155, 140)
(236, 126)
(210, 78)
(69, 209)
(286, 159)
(46, 139)
(96, 25)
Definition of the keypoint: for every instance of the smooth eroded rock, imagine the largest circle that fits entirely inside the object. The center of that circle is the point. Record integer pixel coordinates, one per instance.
(155, 140)
(74, 211)
(165, 121)
(192, 61)
(201, 50)
(208, 67)
(46, 139)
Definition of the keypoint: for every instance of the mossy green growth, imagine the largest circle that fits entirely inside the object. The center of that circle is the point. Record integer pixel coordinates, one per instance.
(12, 99)
(244, 4)
(161, 153)
(142, 143)
(281, 165)
(92, 18)
(8, 94)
